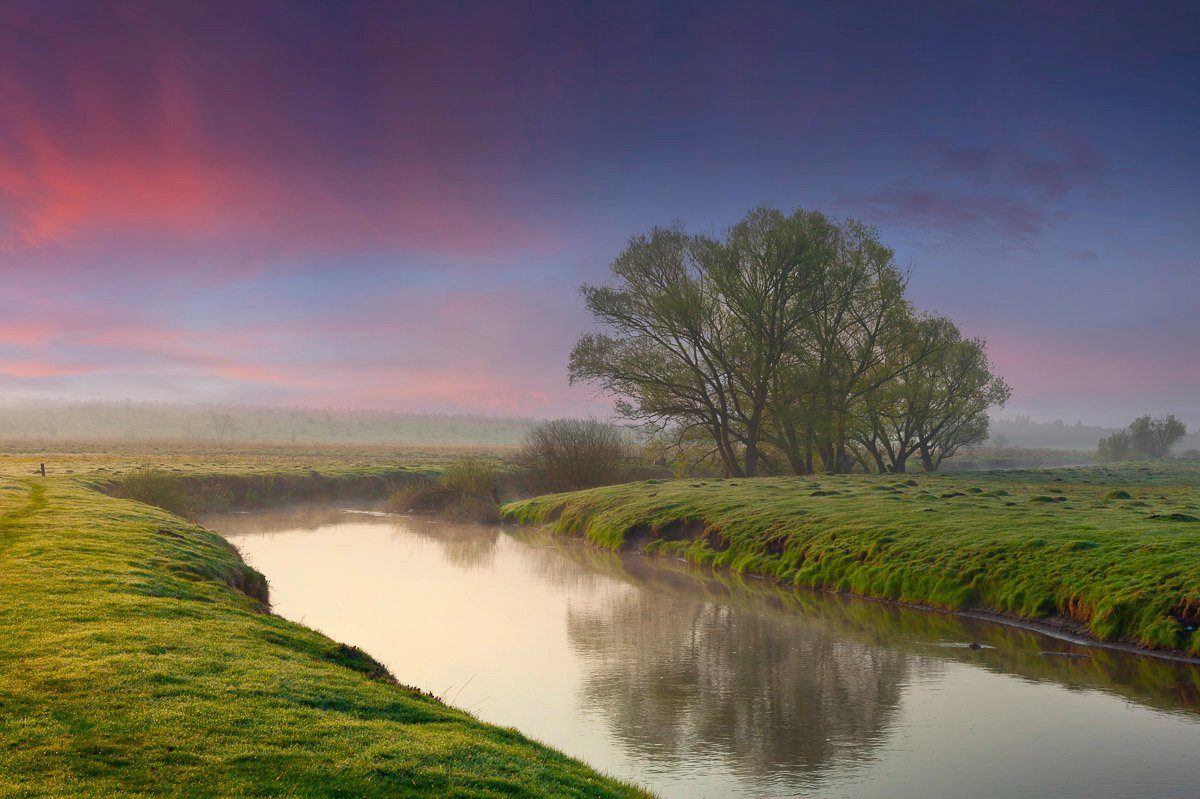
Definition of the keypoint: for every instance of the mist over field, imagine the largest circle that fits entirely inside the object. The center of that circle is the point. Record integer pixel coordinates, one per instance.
(231, 423)
(132, 421)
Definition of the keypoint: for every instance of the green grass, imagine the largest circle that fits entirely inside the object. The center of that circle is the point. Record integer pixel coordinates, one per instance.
(136, 659)
(1031, 543)
(106, 460)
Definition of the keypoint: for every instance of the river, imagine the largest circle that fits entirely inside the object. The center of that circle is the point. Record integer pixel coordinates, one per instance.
(698, 684)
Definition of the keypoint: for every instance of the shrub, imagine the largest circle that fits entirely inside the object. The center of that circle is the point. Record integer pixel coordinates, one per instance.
(423, 496)
(1116, 447)
(471, 477)
(466, 492)
(569, 454)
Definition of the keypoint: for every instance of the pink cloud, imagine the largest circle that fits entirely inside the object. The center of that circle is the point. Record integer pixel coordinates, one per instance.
(178, 151)
(957, 211)
(36, 370)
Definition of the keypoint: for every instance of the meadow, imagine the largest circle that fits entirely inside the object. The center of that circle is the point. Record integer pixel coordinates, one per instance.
(137, 658)
(1110, 552)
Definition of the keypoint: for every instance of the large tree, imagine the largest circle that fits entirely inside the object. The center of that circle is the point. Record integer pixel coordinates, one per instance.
(962, 388)
(696, 326)
(851, 346)
(787, 342)
(936, 406)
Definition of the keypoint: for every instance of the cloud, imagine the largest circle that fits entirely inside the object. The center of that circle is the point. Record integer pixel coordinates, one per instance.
(956, 212)
(1000, 188)
(150, 132)
(1063, 164)
(501, 350)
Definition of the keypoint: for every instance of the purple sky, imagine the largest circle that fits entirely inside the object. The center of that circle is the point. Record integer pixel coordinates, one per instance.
(391, 205)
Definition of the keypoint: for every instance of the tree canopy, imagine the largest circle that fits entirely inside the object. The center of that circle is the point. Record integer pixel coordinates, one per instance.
(786, 345)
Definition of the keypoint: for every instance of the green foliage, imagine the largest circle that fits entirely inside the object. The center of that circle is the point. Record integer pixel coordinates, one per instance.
(782, 344)
(467, 490)
(136, 660)
(471, 477)
(1116, 447)
(1145, 437)
(1032, 543)
(569, 454)
(158, 488)
(1153, 438)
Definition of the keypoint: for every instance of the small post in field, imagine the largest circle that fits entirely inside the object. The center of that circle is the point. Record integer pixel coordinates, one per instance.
(42, 469)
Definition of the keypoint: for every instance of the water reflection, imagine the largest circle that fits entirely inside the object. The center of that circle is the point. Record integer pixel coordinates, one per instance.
(671, 675)
(700, 683)
(934, 637)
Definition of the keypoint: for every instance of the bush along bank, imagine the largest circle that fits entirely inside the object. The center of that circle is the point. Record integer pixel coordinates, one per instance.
(190, 494)
(1110, 552)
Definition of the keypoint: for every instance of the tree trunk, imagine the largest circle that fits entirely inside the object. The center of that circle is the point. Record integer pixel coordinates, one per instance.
(927, 459)
(752, 449)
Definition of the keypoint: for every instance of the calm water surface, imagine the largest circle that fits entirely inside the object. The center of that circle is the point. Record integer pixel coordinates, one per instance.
(696, 684)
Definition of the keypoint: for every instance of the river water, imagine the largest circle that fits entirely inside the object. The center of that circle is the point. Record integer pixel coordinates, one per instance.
(697, 684)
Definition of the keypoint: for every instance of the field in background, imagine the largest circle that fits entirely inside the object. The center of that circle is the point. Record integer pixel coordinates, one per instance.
(140, 421)
(98, 458)
(989, 458)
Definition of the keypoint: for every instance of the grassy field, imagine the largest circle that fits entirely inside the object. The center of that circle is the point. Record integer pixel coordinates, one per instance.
(134, 421)
(100, 459)
(1112, 551)
(136, 659)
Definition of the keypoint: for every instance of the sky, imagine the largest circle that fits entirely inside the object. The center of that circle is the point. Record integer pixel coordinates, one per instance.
(392, 205)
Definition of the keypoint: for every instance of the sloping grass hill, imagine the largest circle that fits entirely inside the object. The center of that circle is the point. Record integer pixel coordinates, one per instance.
(1113, 551)
(137, 659)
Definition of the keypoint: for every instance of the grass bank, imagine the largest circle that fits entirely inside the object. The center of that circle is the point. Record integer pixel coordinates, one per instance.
(137, 659)
(189, 494)
(1112, 552)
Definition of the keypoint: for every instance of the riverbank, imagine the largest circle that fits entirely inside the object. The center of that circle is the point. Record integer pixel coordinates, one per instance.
(137, 658)
(1112, 552)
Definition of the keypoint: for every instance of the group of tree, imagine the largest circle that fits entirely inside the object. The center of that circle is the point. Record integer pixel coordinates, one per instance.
(786, 345)
(1145, 437)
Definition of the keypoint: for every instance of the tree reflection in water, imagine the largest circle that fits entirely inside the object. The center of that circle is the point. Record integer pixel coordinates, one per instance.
(674, 676)
(677, 671)
(701, 662)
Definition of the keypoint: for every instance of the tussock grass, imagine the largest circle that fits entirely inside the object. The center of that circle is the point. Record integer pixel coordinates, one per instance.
(137, 659)
(1030, 543)
(467, 490)
(190, 493)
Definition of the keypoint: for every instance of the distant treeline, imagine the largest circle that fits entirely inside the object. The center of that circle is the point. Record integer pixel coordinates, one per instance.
(1023, 433)
(151, 420)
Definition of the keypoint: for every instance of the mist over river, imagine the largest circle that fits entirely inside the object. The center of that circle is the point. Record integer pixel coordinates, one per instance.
(698, 684)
